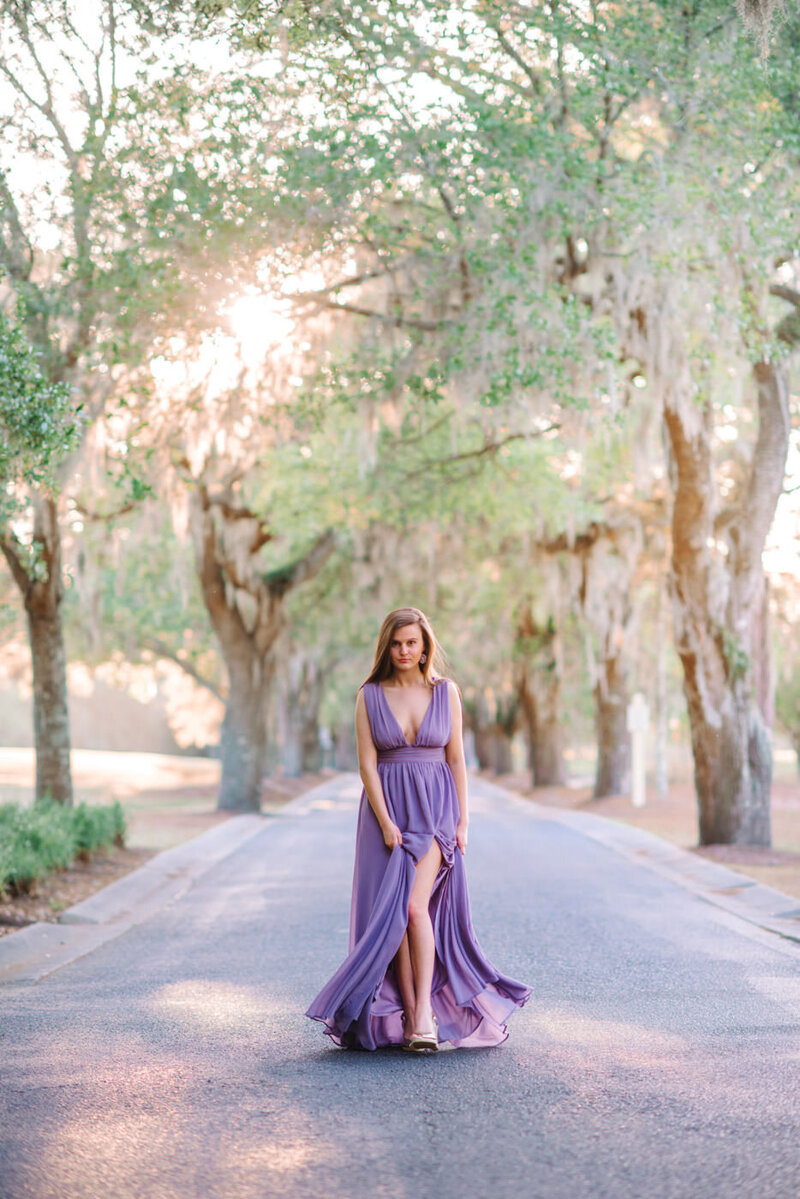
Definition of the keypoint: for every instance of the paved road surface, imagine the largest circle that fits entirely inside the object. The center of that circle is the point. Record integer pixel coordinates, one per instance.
(658, 1058)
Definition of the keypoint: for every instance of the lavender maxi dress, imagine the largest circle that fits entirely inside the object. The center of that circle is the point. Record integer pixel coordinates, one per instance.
(361, 1006)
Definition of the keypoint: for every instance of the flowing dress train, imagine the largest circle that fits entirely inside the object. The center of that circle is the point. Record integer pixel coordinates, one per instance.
(361, 1005)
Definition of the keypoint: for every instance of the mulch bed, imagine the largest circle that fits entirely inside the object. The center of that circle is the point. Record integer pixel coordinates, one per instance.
(62, 888)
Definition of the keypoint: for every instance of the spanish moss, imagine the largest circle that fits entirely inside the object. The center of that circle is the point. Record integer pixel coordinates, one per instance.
(759, 16)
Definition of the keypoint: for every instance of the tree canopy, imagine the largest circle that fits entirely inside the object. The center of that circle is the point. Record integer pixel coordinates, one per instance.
(487, 307)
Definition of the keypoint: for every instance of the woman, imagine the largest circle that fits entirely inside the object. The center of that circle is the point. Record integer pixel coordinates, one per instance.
(415, 975)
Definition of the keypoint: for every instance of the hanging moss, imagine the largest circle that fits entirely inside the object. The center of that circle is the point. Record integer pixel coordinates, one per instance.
(759, 16)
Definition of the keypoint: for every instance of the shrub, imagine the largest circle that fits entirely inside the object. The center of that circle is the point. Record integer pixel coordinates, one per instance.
(95, 826)
(48, 836)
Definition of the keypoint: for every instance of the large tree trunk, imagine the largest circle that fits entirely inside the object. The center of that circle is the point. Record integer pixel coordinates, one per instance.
(718, 582)
(607, 556)
(345, 754)
(538, 679)
(247, 611)
(494, 749)
(506, 716)
(243, 740)
(503, 751)
(493, 722)
(613, 772)
(546, 746)
(300, 699)
(609, 559)
(42, 593)
(480, 721)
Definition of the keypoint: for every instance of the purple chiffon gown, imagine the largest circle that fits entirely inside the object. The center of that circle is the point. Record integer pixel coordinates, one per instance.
(361, 1006)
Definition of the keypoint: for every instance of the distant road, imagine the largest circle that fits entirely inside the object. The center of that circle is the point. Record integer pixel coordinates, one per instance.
(658, 1058)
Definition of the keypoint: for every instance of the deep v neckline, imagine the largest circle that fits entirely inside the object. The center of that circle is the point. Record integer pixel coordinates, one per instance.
(410, 744)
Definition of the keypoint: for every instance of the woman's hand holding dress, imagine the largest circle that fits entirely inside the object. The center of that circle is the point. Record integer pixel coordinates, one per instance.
(391, 835)
(461, 835)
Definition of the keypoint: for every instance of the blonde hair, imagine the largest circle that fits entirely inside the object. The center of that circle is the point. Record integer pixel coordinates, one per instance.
(398, 619)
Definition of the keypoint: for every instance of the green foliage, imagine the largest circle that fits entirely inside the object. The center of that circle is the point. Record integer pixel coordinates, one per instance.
(494, 193)
(737, 660)
(135, 593)
(538, 644)
(49, 835)
(38, 421)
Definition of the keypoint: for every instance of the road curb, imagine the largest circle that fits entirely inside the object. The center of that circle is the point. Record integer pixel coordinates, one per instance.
(37, 950)
(732, 890)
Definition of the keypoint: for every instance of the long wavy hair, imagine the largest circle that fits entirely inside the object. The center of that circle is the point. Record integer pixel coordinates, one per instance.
(433, 665)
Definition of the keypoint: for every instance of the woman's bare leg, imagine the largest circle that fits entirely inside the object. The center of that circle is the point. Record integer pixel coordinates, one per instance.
(405, 984)
(421, 944)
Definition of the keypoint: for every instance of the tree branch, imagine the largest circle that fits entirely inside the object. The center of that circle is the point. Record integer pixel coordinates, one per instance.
(69, 59)
(386, 318)
(489, 447)
(285, 578)
(163, 651)
(340, 27)
(785, 293)
(10, 545)
(46, 109)
(692, 514)
(16, 252)
(103, 517)
(233, 512)
(788, 330)
(512, 52)
(350, 281)
(748, 532)
(227, 620)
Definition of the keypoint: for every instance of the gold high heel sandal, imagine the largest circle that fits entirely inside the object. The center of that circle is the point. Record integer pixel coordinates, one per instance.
(422, 1042)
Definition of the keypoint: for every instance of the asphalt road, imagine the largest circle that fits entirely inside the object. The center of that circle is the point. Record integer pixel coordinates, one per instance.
(657, 1059)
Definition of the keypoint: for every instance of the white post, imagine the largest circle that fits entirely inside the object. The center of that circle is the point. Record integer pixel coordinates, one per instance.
(638, 720)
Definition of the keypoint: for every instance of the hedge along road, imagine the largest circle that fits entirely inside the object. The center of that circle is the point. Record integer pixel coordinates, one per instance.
(658, 1056)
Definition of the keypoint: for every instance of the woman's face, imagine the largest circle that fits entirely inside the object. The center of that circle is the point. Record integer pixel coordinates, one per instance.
(406, 647)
